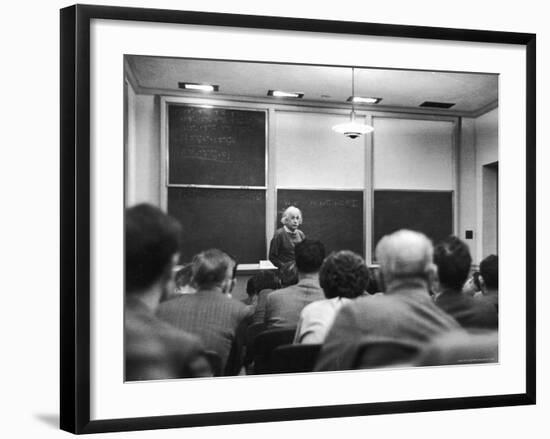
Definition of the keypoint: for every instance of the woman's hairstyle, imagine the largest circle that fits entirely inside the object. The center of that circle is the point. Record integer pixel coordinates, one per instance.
(290, 210)
(344, 274)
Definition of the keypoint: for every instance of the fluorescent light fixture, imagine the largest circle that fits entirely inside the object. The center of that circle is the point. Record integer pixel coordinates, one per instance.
(285, 94)
(363, 100)
(198, 87)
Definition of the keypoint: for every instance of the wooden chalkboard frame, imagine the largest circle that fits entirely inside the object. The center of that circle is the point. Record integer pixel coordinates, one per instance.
(76, 212)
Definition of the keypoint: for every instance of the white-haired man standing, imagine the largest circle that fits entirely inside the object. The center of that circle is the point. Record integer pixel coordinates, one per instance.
(388, 329)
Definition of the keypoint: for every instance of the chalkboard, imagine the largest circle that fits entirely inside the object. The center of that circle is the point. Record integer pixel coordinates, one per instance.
(333, 217)
(216, 146)
(429, 212)
(232, 220)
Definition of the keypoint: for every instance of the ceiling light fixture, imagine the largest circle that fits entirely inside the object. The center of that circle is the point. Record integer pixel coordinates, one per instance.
(363, 100)
(353, 129)
(285, 94)
(198, 87)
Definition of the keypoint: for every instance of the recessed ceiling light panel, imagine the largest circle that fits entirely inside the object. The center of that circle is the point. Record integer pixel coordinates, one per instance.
(198, 87)
(285, 94)
(363, 100)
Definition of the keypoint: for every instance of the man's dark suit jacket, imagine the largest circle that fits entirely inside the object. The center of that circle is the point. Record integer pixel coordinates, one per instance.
(283, 307)
(155, 350)
(217, 319)
(405, 313)
(472, 314)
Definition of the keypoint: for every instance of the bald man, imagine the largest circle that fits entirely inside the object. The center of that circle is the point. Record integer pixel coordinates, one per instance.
(391, 328)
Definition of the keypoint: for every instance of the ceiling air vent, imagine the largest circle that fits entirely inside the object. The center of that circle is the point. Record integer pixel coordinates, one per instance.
(430, 104)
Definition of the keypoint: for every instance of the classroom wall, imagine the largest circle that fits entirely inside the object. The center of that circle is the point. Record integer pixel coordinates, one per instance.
(486, 134)
(310, 155)
(413, 154)
(467, 186)
(479, 147)
(143, 143)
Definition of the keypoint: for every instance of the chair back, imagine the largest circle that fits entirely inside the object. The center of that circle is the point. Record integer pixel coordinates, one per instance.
(293, 358)
(215, 362)
(384, 352)
(251, 333)
(264, 344)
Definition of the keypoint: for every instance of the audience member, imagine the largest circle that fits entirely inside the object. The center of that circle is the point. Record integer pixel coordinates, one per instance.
(405, 312)
(283, 306)
(182, 282)
(343, 277)
(154, 349)
(288, 275)
(453, 260)
(471, 287)
(258, 287)
(488, 280)
(281, 248)
(211, 313)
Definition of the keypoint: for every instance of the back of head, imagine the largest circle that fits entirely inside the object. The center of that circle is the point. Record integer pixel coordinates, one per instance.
(344, 274)
(309, 255)
(266, 280)
(212, 268)
(489, 271)
(288, 274)
(453, 260)
(405, 254)
(184, 276)
(151, 241)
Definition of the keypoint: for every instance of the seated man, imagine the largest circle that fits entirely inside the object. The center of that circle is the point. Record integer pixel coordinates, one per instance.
(453, 260)
(343, 277)
(283, 307)
(211, 313)
(488, 280)
(258, 288)
(154, 349)
(405, 313)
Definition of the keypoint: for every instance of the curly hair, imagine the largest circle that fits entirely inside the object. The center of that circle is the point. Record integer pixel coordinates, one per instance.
(344, 274)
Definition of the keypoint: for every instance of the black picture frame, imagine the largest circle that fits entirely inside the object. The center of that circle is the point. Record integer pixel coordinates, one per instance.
(76, 210)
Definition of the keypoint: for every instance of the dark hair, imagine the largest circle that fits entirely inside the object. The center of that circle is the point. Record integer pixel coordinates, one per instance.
(344, 274)
(210, 268)
(184, 276)
(309, 255)
(151, 240)
(264, 280)
(489, 271)
(374, 285)
(288, 274)
(453, 261)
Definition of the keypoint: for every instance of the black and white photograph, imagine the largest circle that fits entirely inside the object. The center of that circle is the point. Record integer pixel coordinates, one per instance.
(295, 218)
(271, 219)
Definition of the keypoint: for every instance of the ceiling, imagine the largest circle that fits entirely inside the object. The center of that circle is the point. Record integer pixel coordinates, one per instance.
(472, 93)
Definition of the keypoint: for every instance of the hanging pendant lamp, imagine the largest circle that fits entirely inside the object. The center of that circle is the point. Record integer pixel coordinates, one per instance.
(353, 129)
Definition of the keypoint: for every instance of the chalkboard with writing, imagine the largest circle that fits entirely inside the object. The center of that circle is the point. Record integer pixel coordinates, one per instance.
(429, 212)
(335, 217)
(232, 220)
(216, 146)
